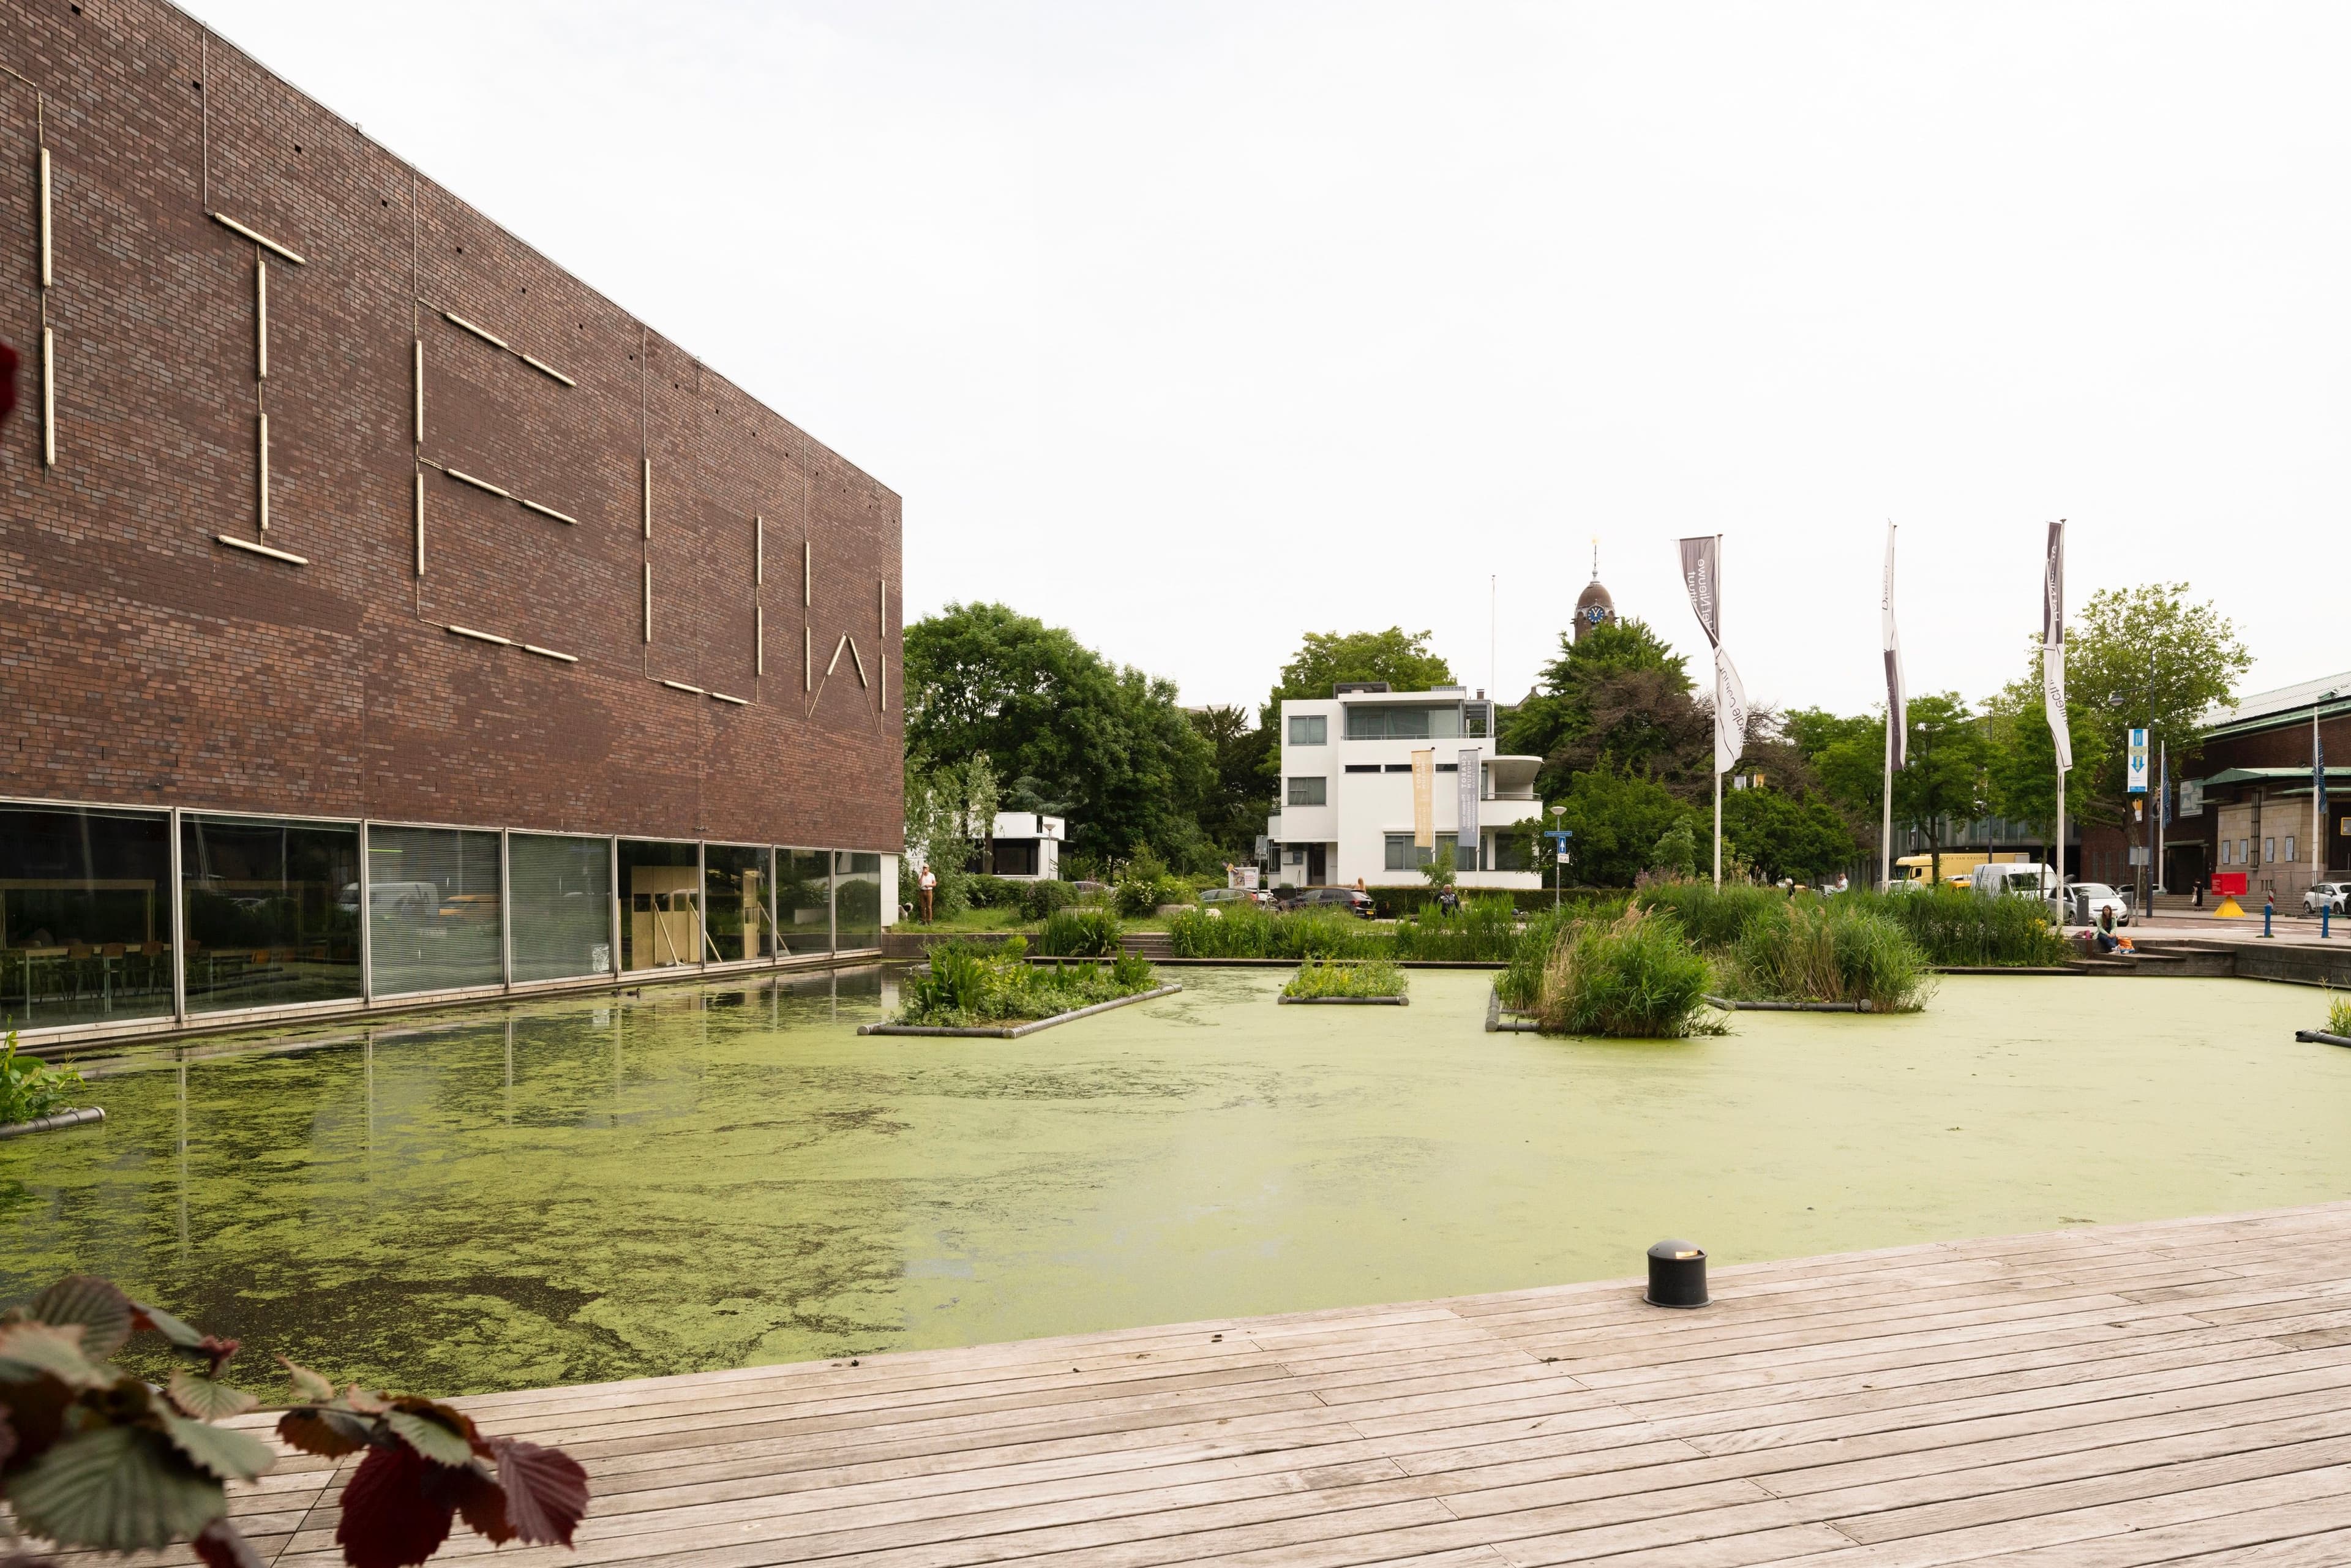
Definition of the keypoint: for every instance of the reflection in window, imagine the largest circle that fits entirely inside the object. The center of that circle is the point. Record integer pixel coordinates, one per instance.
(1310, 729)
(804, 900)
(562, 905)
(1308, 791)
(661, 910)
(736, 883)
(433, 918)
(85, 921)
(1400, 723)
(272, 911)
(857, 899)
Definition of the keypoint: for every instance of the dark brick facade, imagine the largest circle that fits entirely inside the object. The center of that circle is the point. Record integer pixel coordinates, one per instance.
(145, 663)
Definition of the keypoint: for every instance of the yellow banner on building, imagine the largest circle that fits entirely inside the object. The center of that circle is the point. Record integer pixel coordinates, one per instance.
(1424, 798)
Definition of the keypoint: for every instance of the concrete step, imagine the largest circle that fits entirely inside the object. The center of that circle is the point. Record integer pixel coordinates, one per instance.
(1152, 944)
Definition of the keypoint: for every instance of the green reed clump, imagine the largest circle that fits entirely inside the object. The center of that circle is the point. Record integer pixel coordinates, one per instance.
(1483, 930)
(964, 987)
(1825, 950)
(1638, 976)
(1954, 926)
(1365, 977)
(1247, 931)
(2338, 1014)
(1089, 932)
(31, 1087)
(1521, 985)
(1714, 918)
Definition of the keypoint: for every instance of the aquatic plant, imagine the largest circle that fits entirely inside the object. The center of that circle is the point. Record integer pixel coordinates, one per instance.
(31, 1087)
(1712, 918)
(1079, 933)
(1368, 978)
(1954, 926)
(1638, 976)
(99, 1458)
(2338, 1014)
(1247, 931)
(1484, 930)
(1521, 985)
(1825, 950)
(964, 987)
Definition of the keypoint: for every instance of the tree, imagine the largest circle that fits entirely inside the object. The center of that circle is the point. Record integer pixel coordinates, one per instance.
(2020, 765)
(950, 808)
(2147, 656)
(1619, 698)
(1619, 821)
(1942, 774)
(1233, 813)
(1325, 659)
(1783, 834)
(1061, 721)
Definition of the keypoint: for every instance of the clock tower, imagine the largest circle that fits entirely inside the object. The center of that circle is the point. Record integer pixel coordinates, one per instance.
(1593, 607)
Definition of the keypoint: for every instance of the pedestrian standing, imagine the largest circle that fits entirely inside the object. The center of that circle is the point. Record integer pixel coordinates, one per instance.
(929, 884)
(2200, 893)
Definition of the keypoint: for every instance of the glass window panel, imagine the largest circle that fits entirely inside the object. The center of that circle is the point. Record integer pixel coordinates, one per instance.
(84, 917)
(562, 905)
(433, 917)
(804, 900)
(1509, 851)
(1308, 791)
(273, 910)
(857, 899)
(1374, 722)
(1310, 729)
(660, 905)
(736, 880)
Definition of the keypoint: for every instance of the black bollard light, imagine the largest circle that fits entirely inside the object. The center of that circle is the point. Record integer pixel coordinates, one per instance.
(1676, 1275)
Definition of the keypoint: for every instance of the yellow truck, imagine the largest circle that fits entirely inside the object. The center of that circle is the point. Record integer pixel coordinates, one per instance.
(1914, 872)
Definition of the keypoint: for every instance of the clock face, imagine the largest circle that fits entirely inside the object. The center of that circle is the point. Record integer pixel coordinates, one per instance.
(1595, 614)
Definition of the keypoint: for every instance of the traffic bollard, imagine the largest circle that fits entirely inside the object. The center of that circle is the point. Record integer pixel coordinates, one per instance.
(2266, 920)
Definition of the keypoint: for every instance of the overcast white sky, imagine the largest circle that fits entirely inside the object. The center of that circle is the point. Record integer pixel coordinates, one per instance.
(1194, 327)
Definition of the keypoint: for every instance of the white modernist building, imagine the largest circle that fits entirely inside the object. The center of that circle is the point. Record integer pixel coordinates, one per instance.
(1024, 846)
(1345, 814)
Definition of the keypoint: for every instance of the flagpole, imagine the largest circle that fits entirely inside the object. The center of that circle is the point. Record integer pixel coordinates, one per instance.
(1885, 828)
(1718, 721)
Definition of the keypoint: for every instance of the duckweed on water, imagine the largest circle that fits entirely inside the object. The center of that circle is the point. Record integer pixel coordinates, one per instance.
(701, 1177)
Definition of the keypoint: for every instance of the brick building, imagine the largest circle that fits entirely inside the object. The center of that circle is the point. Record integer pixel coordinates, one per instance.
(2247, 805)
(388, 613)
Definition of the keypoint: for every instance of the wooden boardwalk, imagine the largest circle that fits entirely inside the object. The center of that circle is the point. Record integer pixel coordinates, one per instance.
(2103, 1396)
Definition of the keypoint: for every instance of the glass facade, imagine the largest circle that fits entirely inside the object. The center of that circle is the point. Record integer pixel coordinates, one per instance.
(279, 912)
(436, 910)
(85, 915)
(1379, 722)
(856, 900)
(804, 900)
(1308, 791)
(271, 910)
(736, 882)
(562, 905)
(1310, 729)
(661, 903)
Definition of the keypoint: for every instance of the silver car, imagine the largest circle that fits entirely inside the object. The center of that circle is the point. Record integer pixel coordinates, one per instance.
(2334, 895)
(2091, 899)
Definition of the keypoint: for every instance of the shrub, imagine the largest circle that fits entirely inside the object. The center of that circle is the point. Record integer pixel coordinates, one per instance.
(31, 1087)
(982, 890)
(1828, 951)
(964, 987)
(1371, 977)
(1636, 978)
(1039, 899)
(1080, 934)
(1485, 930)
(2338, 1014)
(1953, 925)
(1247, 931)
(1521, 986)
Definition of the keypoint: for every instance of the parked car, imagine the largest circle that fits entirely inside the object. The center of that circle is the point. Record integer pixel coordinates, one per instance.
(1347, 898)
(1211, 897)
(2086, 901)
(2334, 895)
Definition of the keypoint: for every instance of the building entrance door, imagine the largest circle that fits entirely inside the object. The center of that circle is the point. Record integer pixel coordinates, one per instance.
(1317, 867)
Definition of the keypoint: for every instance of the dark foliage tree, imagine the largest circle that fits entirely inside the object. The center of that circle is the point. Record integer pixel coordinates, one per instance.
(1620, 699)
(1233, 814)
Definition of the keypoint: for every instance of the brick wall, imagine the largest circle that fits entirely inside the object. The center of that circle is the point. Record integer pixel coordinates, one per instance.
(145, 663)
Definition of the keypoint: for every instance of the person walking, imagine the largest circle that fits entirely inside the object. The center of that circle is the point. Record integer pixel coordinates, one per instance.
(929, 883)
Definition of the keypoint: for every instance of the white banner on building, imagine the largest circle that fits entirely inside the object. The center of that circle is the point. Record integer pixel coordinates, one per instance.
(1424, 798)
(1897, 712)
(2053, 647)
(1730, 714)
(1464, 829)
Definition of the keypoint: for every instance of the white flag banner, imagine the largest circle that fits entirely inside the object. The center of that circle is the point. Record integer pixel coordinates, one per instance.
(1730, 714)
(1897, 712)
(2053, 647)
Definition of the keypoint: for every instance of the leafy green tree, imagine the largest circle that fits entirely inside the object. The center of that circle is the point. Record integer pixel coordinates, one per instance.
(1621, 699)
(1233, 813)
(950, 807)
(1942, 776)
(1675, 851)
(1325, 659)
(2020, 764)
(2147, 656)
(983, 680)
(1618, 820)
(1780, 834)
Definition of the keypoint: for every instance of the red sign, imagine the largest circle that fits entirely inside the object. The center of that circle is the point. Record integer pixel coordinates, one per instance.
(2229, 883)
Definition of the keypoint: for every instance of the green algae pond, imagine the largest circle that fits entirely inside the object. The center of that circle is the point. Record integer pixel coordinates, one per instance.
(697, 1178)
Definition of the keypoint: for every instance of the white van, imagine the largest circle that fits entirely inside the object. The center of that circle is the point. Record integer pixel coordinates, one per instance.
(2015, 879)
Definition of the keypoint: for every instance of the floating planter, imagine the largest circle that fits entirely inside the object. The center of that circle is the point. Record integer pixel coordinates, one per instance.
(1375, 982)
(53, 1123)
(1014, 1032)
(1497, 1024)
(1348, 1001)
(1730, 1004)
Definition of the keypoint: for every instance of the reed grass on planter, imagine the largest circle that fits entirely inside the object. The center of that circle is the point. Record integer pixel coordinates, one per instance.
(1246, 931)
(1521, 985)
(963, 987)
(1485, 930)
(1636, 978)
(1088, 933)
(2338, 1014)
(1952, 926)
(1369, 978)
(1825, 950)
(1711, 918)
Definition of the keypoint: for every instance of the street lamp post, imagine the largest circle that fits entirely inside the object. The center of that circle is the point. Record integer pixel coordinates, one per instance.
(2317, 793)
(1558, 868)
